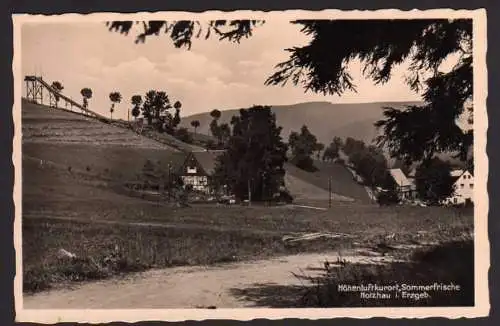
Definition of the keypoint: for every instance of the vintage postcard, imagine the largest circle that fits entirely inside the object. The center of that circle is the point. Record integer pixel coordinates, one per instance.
(241, 165)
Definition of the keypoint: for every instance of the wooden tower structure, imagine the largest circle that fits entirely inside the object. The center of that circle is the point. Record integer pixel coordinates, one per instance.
(34, 89)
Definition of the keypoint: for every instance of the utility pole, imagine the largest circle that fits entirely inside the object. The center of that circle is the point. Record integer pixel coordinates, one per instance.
(329, 192)
(249, 193)
(262, 196)
(169, 182)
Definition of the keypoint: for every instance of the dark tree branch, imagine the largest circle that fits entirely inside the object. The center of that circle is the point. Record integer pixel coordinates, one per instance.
(321, 66)
(182, 32)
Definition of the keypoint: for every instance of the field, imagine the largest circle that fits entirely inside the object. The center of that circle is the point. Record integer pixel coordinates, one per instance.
(73, 199)
(113, 234)
(342, 181)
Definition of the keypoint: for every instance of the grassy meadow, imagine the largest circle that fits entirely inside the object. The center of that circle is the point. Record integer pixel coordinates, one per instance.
(73, 199)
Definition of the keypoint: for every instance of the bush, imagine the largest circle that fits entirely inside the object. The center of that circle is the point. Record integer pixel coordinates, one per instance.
(183, 135)
(447, 263)
(306, 164)
(284, 196)
(387, 198)
(79, 269)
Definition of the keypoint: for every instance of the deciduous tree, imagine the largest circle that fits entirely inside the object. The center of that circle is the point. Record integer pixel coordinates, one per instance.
(114, 97)
(319, 148)
(303, 145)
(136, 101)
(434, 181)
(255, 155)
(195, 124)
(58, 87)
(156, 106)
(86, 94)
(414, 133)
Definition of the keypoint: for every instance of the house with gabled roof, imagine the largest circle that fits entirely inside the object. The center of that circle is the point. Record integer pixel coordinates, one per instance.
(405, 188)
(463, 188)
(198, 169)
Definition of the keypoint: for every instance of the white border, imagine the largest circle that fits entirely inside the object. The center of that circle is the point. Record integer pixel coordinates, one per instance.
(482, 249)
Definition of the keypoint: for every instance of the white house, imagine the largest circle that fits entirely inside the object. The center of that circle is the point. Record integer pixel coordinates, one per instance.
(198, 168)
(464, 188)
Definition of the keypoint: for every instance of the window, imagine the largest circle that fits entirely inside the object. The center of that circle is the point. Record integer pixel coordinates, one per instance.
(461, 185)
(471, 185)
(455, 200)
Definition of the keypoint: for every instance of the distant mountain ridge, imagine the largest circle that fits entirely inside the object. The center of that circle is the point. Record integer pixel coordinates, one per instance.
(324, 119)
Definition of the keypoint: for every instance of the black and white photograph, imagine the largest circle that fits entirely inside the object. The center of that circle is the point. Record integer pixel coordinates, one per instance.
(240, 165)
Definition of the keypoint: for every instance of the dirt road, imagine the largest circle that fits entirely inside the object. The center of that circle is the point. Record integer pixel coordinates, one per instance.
(266, 283)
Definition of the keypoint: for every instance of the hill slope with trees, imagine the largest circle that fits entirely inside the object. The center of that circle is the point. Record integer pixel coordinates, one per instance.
(324, 119)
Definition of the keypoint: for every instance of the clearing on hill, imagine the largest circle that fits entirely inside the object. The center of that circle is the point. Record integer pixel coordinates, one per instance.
(41, 124)
(342, 184)
(68, 157)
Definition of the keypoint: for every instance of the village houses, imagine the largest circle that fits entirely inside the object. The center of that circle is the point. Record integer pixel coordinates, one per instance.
(464, 188)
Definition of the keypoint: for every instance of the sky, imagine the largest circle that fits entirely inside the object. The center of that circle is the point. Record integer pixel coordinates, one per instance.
(212, 75)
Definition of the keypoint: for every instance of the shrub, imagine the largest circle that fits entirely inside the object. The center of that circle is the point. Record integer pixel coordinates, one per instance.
(387, 198)
(183, 135)
(306, 164)
(284, 196)
(447, 263)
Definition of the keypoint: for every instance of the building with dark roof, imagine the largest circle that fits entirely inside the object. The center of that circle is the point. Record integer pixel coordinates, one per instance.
(198, 169)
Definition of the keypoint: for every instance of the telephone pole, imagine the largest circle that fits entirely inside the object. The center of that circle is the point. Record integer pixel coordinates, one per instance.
(329, 192)
(249, 193)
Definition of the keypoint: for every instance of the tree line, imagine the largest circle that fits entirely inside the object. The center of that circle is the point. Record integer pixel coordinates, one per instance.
(161, 112)
(413, 134)
(255, 152)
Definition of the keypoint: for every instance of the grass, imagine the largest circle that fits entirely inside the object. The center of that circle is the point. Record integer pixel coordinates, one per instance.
(342, 180)
(43, 124)
(68, 203)
(116, 162)
(106, 250)
(451, 262)
(201, 234)
(448, 263)
(170, 140)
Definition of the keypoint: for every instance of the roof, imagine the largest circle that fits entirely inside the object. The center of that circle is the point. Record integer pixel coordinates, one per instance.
(456, 173)
(400, 178)
(172, 161)
(207, 159)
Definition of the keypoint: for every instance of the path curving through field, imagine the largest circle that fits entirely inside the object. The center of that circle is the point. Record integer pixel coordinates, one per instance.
(264, 283)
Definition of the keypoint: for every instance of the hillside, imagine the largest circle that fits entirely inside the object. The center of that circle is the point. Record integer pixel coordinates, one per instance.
(342, 181)
(42, 124)
(70, 142)
(324, 119)
(76, 147)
